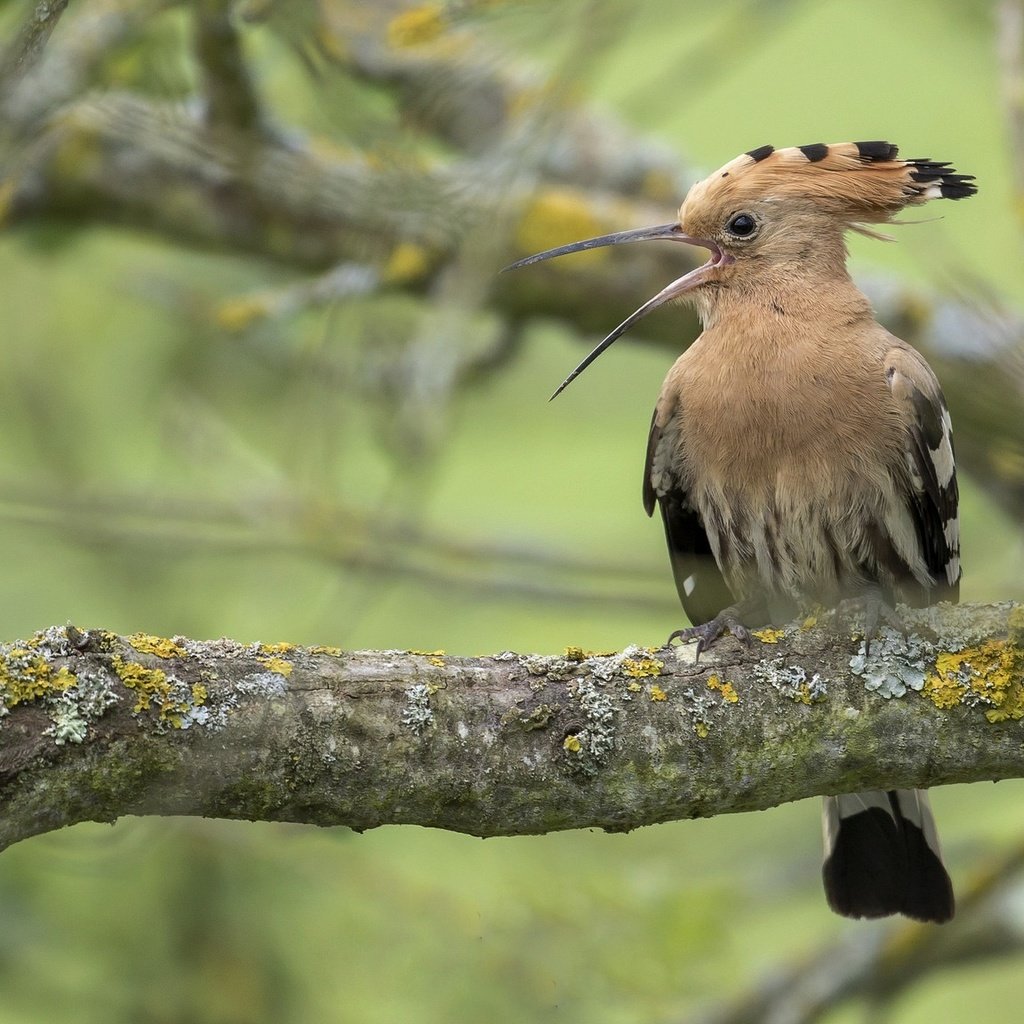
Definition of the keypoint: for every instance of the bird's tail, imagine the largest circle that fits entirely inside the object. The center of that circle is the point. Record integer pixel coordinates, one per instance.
(882, 856)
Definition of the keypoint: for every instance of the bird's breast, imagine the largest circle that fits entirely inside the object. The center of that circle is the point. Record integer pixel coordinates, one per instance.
(783, 419)
(789, 458)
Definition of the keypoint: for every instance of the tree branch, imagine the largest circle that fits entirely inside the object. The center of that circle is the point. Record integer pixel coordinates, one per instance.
(27, 47)
(97, 726)
(231, 101)
(880, 965)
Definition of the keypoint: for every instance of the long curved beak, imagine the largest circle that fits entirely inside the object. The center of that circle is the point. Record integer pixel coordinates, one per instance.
(666, 232)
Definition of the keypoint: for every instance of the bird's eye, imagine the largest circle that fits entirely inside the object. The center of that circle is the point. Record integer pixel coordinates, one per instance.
(742, 225)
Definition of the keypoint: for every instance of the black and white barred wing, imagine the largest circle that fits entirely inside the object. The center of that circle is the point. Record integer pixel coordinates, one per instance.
(932, 494)
(702, 589)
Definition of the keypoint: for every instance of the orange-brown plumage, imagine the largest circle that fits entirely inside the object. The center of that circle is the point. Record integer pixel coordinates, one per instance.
(849, 181)
(800, 453)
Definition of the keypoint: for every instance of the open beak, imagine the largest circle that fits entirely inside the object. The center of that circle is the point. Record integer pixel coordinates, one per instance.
(682, 285)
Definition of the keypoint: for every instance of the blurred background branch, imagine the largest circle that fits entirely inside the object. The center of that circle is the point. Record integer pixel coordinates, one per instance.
(882, 963)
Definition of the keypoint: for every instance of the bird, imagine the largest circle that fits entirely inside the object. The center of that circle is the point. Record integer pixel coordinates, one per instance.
(800, 454)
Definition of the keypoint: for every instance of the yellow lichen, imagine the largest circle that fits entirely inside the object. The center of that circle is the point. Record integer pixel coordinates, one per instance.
(727, 690)
(657, 693)
(236, 314)
(642, 668)
(416, 26)
(992, 671)
(407, 262)
(575, 654)
(572, 744)
(803, 694)
(634, 687)
(769, 636)
(25, 676)
(281, 648)
(278, 665)
(334, 652)
(701, 729)
(199, 693)
(158, 645)
(150, 685)
(436, 658)
(554, 215)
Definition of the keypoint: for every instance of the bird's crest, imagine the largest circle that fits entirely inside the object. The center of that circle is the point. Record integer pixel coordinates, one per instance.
(854, 181)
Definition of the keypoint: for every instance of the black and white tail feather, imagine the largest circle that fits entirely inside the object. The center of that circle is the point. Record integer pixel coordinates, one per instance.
(882, 857)
(882, 852)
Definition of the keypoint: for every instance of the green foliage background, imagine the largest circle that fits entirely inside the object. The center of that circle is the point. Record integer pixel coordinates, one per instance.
(114, 379)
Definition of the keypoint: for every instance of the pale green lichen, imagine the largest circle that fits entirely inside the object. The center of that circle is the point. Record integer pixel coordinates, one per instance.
(29, 673)
(596, 739)
(962, 665)
(178, 704)
(538, 718)
(552, 666)
(79, 705)
(634, 662)
(263, 684)
(417, 714)
(792, 681)
(702, 708)
(895, 664)
(26, 676)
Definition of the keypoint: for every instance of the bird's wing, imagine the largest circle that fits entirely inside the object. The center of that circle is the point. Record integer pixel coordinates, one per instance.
(932, 491)
(701, 586)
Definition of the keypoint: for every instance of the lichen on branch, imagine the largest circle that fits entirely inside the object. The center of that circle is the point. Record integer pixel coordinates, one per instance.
(94, 726)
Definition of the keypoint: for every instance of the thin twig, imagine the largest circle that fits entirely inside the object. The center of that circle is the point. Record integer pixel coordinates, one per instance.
(27, 47)
(1010, 48)
(227, 87)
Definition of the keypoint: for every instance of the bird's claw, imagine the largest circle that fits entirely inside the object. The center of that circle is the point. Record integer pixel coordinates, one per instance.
(708, 632)
(874, 607)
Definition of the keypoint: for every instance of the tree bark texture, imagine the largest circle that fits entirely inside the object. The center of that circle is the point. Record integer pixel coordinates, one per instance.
(95, 726)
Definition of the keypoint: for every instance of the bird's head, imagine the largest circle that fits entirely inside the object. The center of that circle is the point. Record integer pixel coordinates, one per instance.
(773, 210)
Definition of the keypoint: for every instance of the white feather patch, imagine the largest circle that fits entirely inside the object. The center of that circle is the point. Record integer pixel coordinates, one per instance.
(915, 806)
(942, 457)
(951, 533)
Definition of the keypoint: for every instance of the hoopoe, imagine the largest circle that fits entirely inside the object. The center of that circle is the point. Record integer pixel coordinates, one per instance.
(800, 454)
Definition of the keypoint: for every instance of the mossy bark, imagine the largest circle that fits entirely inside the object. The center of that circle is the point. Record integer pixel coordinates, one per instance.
(100, 726)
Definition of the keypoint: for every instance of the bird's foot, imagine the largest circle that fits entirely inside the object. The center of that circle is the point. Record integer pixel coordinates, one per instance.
(874, 607)
(707, 633)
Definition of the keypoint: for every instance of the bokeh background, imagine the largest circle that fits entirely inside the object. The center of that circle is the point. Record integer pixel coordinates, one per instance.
(258, 378)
